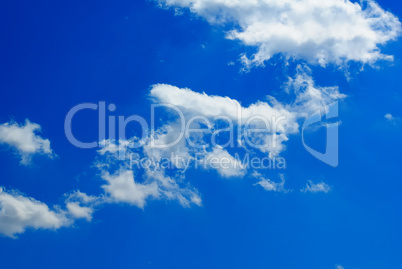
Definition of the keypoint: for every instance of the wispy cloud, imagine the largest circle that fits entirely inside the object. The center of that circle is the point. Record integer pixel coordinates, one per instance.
(391, 118)
(270, 185)
(316, 187)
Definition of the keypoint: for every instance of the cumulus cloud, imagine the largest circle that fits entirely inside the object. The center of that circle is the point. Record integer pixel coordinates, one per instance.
(127, 179)
(121, 187)
(79, 205)
(279, 119)
(162, 162)
(316, 187)
(18, 213)
(320, 32)
(24, 139)
(201, 104)
(79, 211)
(189, 140)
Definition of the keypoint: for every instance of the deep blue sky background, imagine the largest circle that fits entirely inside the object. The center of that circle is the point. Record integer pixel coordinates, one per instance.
(56, 55)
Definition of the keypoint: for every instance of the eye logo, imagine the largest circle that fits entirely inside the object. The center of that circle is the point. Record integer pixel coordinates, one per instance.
(331, 155)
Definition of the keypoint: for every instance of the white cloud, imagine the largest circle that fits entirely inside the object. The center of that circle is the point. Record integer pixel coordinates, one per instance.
(79, 211)
(166, 141)
(81, 206)
(309, 97)
(315, 188)
(320, 32)
(157, 157)
(389, 117)
(170, 188)
(78, 196)
(201, 104)
(170, 151)
(24, 139)
(152, 163)
(280, 119)
(18, 213)
(339, 267)
(121, 187)
(392, 118)
(226, 165)
(270, 185)
(273, 116)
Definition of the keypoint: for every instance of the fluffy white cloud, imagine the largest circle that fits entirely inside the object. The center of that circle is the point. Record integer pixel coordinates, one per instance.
(271, 115)
(201, 104)
(270, 185)
(318, 187)
(18, 213)
(279, 119)
(121, 187)
(79, 205)
(24, 139)
(79, 211)
(160, 164)
(321, 32)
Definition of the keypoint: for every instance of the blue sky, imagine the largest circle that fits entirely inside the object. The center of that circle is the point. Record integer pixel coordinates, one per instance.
(55, 56)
